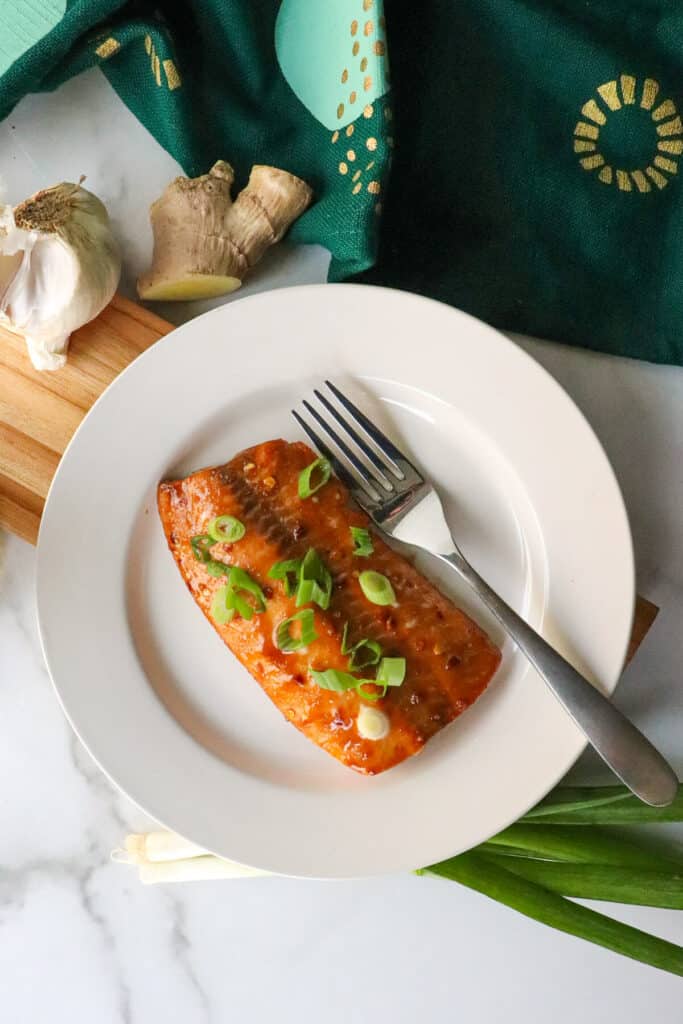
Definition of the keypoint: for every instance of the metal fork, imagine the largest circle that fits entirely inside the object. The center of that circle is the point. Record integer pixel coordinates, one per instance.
(402, 503)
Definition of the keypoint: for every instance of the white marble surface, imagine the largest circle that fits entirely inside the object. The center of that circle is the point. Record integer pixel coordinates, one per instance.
(82, 941)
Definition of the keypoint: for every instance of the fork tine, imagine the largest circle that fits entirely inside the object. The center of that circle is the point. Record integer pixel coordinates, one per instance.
(363, 471)
(339, 468)
(371, 455)
(387, 447)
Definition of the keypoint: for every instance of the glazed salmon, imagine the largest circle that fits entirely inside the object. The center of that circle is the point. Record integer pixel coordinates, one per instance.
(449, 660)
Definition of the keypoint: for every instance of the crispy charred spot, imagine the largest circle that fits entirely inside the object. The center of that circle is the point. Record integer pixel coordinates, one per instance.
(298, 679)
(267, 591)
(453, 661)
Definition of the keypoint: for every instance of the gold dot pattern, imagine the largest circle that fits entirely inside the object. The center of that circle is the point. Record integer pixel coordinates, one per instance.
(374, 48)
(111, 46)
(612, 97)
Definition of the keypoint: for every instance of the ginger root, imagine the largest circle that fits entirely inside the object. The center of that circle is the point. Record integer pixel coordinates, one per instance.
(204, 243)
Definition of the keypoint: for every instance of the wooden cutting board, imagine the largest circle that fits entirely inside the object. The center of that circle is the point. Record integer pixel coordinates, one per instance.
(39, 411)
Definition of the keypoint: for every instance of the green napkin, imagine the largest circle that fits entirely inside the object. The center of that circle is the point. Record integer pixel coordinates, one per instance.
(535, 177)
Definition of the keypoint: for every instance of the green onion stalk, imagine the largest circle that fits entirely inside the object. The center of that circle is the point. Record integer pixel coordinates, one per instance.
(571, 846)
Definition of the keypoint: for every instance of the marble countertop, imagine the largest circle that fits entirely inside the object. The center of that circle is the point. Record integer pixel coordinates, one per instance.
(82, 941)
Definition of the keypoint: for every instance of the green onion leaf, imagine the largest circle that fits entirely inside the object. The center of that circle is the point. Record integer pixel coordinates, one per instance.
(481, 874)
(372, 695)
(377, 587)
(331, 679)
(321, 469)
(391, 672)
(240, 581)
(220, 612)
(362, 541)
(284, 571)
(315, 581)
(215, 568)
(226, 529)
(200, 547)
(283, 635)
(365, 652)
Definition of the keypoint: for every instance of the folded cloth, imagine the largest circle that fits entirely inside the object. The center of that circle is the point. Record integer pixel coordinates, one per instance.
(537, 141)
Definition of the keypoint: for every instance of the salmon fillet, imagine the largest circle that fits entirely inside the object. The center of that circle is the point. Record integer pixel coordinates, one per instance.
(449, 659)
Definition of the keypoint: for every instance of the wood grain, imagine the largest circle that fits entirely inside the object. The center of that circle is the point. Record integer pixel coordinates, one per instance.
(40, 411)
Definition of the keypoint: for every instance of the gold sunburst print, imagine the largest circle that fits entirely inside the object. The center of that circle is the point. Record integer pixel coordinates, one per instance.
(667, 134)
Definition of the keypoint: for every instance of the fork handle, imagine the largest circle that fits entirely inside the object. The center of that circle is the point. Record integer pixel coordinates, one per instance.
(623, 747)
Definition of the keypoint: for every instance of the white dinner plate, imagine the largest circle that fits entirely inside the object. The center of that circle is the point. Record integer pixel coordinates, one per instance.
(165, 708)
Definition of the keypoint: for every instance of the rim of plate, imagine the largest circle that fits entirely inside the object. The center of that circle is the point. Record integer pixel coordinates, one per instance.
(193, 819)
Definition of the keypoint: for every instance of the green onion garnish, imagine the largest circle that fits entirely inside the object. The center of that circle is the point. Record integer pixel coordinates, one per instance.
(391, 672)
(320, 468)
(363, 546)
(365, 652)
(226, 529)
(220, 612)
(215, 568)
(283, 634)
(315, 581)
(284, 571)
(240, 581)
(331, 679)
(376, 587)
(370, 694)
(200, 547)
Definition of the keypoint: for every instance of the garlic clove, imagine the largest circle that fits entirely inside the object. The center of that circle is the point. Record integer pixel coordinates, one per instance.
(59, 267)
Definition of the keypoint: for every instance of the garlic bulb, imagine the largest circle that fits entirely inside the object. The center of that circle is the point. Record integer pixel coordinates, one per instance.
(59, 267)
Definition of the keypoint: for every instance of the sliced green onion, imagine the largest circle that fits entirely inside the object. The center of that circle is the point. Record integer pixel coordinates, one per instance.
(283, 634)
(200, 547)
(322, 468)
(215, 568)
(284, 571)
(226, 529)
(220, 612)
(362, 541)
(332, 679)
(370, 694)
(315, 581)
(376, 587)
(365, 652)
(238, 581)
(391, 672)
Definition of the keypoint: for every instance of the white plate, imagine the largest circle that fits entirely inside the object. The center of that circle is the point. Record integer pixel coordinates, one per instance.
(168, 712)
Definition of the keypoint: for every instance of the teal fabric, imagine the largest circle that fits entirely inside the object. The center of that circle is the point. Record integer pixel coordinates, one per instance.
(535, 180)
